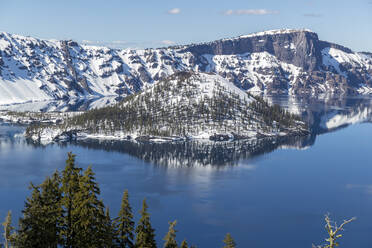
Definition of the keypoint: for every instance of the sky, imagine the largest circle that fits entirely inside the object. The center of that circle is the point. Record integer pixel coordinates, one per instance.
(155, 23)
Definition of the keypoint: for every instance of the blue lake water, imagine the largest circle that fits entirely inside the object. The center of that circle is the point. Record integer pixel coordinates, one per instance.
(268, 194)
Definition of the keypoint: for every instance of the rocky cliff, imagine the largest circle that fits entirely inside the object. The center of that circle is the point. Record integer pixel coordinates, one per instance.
(285, 61)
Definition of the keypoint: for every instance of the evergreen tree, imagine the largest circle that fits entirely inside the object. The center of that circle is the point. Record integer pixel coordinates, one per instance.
(70, 187)
(125, 224)
(89, 216)
(170, 237)
(184, 244)
(229, 241)
(52, 210)
(30, 225)
(40, 225)
(145, 233)
(109, 231)
(8, 229)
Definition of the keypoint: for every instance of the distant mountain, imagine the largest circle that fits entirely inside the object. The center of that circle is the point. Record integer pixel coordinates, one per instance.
(286, 61)
(185, 105)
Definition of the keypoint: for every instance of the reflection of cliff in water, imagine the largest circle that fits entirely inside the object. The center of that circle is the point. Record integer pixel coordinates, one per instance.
(328, 114)
(194, 153)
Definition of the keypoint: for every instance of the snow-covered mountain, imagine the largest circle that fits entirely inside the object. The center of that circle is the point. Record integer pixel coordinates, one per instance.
(291, 61)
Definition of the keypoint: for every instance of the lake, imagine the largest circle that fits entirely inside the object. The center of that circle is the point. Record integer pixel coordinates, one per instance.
(267, 193)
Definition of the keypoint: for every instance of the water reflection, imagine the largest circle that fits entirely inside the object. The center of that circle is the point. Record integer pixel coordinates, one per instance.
(193, 153)
(327, 114)
(322, 115)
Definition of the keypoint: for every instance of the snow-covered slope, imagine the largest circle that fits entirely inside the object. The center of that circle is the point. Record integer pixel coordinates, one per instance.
(291, 61)
(186, 104)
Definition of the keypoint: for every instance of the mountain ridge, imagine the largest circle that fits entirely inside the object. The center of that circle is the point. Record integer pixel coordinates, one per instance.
(276, 61)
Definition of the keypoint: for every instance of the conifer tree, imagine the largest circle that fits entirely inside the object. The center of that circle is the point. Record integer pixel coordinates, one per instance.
(229, 241)
(145, 233)
(30, 226)
(51, 208)
(125, 224)
(70, 187)
(170, 237)
(8, 229)
(110, 233)
(89, 216)
(42, 216)
(184, 244)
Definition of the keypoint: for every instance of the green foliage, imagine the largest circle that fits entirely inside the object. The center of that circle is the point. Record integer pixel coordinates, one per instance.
(88, 213)
(124, 224)
(172, 107)
(145, 237)
(184, 244)
(39, 226)
(109, 231)
(229, 241)
(70, 187)
(170, 238)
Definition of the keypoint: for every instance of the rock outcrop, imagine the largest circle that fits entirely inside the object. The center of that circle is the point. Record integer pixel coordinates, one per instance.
(284, 61)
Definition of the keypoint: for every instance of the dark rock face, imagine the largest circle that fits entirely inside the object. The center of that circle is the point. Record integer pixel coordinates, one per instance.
(307, 52)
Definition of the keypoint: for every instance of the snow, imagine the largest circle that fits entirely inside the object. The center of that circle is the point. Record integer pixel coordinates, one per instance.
(334, 57)
(273, 32)
(21, 91)
(108, 71)
(334, 119)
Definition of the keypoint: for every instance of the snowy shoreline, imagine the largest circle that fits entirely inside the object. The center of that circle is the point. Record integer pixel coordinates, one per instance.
(51, 135)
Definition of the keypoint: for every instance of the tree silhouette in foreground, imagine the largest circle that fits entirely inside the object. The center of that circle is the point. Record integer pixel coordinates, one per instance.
(333, 231)
(229, 241)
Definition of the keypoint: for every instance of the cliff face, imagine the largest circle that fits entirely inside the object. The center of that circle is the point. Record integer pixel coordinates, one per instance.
(285, 61)
(300, 48)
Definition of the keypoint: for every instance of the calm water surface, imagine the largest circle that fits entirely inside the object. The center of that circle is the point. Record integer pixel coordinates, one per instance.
(268, 194)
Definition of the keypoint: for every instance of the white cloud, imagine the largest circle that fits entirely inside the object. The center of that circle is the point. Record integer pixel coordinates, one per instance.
(120, 42)
(314, 15)
(89, 42)
(174, 11)
(168, 42)
(251, 12)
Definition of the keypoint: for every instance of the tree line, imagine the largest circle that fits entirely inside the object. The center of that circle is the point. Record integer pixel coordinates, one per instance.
(176, 106)
(65, 211)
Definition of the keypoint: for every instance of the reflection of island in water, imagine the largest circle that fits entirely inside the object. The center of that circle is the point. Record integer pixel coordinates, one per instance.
(193, 153)
(322, 115)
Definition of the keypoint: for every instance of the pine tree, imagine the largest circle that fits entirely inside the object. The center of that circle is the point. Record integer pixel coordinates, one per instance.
(8, 229)
(89, 217)
(51, 208)
(40, 225)
(109, 231)
(145, 233)
(70, 187)
(184, 244)
(125, 224)
(229, 241)
(170, 237)
(30, 225)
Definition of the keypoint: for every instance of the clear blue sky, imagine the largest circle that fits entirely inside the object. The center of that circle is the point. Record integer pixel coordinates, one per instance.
(151, 23)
